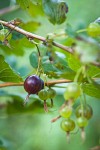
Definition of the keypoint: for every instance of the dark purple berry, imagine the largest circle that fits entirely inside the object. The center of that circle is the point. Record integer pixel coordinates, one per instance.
(33, 84)
(42, 84)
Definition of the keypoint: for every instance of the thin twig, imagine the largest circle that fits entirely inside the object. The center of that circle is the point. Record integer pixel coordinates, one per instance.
(32, 36)
(49, 83)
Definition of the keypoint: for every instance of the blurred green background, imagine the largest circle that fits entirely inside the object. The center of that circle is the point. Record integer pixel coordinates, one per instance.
(29, 128)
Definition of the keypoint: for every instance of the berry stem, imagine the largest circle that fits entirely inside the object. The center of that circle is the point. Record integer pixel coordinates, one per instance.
(82, 30)
(68, 137)
(83, 136)
(55, 119)
(45, 106)
(26, 99)
(51, 102)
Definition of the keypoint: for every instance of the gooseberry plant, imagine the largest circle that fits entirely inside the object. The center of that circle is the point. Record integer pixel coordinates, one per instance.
(74, 60)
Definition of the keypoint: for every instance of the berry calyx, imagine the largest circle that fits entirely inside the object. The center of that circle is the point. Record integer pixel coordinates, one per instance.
(66, 111)
(85, 111)
(73, 91)
(33, 84)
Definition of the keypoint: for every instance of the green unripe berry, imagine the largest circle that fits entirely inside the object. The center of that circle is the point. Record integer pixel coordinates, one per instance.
(51, 93)
(66, 111)
(43, 94)
(82, 122)
(93, 29)
(85, 111)
(67, 125)
(73, 91)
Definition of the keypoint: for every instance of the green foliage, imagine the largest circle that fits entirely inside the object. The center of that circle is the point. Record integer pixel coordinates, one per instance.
(30, 26)
(32, 7)
(74, 63)
(55, 64)
(24, 4)
(91, 90)
(55, 10)
(3, 34)
(6, 72)
(34, 59)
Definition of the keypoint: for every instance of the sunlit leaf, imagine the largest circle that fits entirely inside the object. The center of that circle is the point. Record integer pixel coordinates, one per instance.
(30, 26)
(6, 72)
(23, 3)
(91, 90)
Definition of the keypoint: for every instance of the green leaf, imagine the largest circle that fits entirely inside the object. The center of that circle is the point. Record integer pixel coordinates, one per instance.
(91, 90)
(23, 3)
(47, 66)
(6, 72)
(34, 59)
(17, 46)
(68, 75)
(17, 106)
(4, 34)
(30, 26)
(35, 10)
(55, 10)
(74, 63)
(94, 71)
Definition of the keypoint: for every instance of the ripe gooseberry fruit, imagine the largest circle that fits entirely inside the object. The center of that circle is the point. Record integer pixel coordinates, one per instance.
(65, 111)
(85, 111)
(51, 94)
(73, 91)
(67, 125)
(82, 122)
(43, 95)
(94, 29)
(33, 84)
